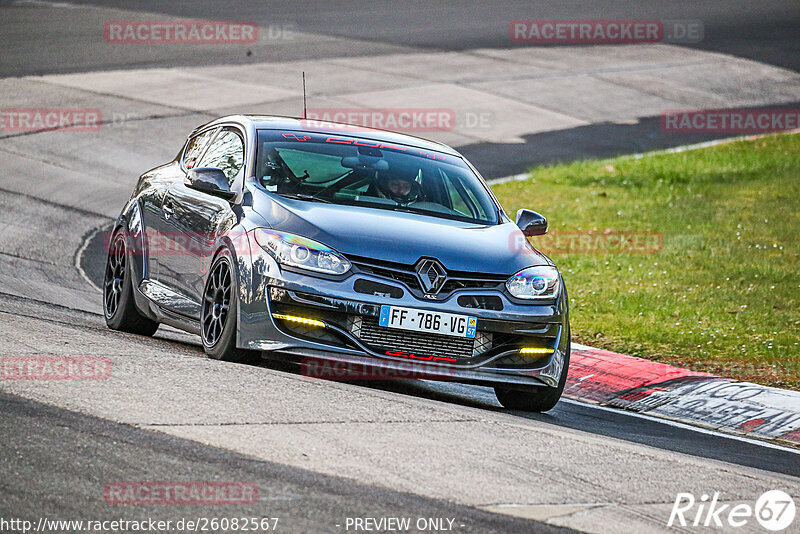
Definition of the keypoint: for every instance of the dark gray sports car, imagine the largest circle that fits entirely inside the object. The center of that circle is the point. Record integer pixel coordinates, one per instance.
(329, 243)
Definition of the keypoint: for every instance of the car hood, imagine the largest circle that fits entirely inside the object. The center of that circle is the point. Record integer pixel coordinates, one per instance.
(403, 237)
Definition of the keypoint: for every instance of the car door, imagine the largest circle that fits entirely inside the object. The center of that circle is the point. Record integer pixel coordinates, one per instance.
(152, 202)
(192, 220)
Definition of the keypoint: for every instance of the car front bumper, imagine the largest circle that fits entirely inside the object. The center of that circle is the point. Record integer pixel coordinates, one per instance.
(351, 337)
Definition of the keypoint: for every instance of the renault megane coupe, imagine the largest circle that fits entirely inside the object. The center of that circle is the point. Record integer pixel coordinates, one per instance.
(293, 239)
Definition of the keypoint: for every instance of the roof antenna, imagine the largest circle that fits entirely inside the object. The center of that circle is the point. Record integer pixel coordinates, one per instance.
(304, 94)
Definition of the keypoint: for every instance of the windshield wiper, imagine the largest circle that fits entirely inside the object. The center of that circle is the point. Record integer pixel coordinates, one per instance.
(435, 213)
(410, 209)
(305, 196)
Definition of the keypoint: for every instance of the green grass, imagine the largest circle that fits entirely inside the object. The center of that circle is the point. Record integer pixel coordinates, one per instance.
(723, 294)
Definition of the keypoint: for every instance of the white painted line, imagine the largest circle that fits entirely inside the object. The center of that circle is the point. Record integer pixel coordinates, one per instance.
(77, 258)
(44, 3)
(706, 144)
(513, 178)
(684, 426)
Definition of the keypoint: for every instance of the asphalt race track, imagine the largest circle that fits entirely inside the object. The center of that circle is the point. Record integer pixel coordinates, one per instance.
(763, 31)
(321, 452)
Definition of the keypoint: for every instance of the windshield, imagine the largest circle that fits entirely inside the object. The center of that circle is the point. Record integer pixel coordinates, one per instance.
(354, 171)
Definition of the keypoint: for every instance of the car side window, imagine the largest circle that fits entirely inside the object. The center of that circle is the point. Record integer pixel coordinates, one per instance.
(227, 153)
(462, 199)
(195, 148)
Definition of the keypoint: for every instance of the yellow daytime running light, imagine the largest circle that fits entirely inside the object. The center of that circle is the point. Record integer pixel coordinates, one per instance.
(301, 320)
(535, 350)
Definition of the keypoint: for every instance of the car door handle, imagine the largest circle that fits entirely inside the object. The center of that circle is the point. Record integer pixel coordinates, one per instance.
(169, 211)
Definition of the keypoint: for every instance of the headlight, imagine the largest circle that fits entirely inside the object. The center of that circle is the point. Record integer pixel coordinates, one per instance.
(534, 283)
(301, 252)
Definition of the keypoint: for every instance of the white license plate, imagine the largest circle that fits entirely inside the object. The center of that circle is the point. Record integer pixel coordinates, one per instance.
(449, 324)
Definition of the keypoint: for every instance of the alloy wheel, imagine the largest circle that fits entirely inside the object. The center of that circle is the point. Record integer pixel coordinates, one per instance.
(115, 275)
(216, 303)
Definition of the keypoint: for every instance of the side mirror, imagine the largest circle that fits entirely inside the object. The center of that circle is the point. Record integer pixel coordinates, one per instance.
(531, 223)
(210, 180)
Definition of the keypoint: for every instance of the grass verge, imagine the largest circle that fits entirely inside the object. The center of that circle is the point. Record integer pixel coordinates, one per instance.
(710, 276)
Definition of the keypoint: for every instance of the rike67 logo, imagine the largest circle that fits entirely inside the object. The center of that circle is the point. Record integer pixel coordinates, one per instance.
(774, 510)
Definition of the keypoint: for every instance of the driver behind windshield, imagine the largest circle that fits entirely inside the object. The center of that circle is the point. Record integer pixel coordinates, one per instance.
(403, 189)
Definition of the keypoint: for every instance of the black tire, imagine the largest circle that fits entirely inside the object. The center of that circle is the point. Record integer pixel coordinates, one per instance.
(539, 399)
(218, 318)
(119, 306)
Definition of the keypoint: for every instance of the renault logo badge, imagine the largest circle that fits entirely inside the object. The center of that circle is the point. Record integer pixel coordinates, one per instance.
(431, 275)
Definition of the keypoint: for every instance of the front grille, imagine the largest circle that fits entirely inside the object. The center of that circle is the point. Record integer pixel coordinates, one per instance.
(494, 337)
(407, 275)
(381, 339)
(391, 271)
